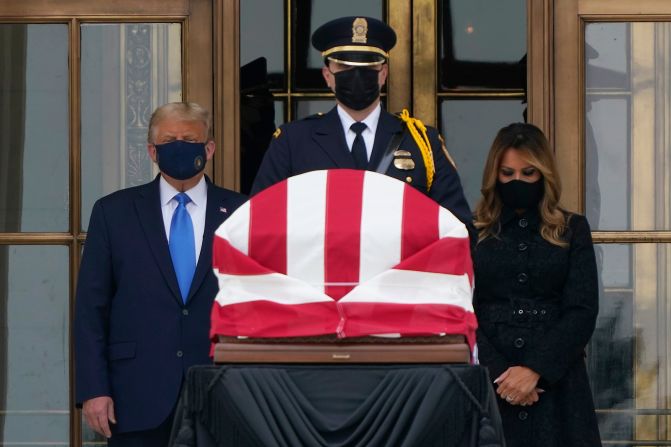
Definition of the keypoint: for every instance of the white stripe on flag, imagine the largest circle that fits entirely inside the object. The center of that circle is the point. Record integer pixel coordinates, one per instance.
(412, 287)
(450, 226)
(306, 217)
(234, 289)
(236, 229)
(382, 208)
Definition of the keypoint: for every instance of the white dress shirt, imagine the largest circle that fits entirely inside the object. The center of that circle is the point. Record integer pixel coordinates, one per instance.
(196, 209)
(368, 134)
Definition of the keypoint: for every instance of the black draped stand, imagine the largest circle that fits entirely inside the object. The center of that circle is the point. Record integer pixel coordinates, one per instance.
(337, 406)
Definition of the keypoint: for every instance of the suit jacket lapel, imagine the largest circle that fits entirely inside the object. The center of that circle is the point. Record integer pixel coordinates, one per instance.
(330, 137)
(148, 206)
(387, 126)
(214, 216)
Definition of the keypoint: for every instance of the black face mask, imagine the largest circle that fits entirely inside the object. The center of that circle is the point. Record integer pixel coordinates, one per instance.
(181, 160)
(518, 194)
(357, 88)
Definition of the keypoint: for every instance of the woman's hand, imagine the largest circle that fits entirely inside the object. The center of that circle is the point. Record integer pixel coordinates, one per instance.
(517, 385)
(531, 398)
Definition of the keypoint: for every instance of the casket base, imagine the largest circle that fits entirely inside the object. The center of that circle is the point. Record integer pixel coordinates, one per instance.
(447, 349)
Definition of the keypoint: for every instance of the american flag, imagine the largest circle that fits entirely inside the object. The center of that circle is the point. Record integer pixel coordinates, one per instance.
(345, 252)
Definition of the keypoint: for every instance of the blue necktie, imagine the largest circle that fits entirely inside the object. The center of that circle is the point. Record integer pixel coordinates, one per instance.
(182, 245)
(359, 146)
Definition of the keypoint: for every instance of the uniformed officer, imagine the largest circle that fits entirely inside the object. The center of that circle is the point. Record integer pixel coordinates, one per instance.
(357, 133)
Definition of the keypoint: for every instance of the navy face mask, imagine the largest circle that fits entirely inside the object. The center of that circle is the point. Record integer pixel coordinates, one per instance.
(518, 194)
(357, 88)
(181, 160)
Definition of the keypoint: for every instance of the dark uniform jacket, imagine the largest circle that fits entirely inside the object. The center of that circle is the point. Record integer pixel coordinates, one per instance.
(134, 336)
(318, 142)
(536, 305)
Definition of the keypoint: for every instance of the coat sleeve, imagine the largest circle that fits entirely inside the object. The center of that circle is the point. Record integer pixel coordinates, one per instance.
(446, 188)
(95, 288)
(564, 343)
(276, 164)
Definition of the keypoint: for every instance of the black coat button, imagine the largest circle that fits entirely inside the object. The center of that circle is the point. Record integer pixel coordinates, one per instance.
(523, 415)
(522, 278)
(519, 342)
(185, 312)
(180, 353)
(523, 223)
(522, 246)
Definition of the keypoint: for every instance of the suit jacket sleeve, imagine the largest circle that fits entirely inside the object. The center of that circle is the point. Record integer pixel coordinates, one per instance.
(446, 188)
(564, 343)
(276, 164)
(95, 289)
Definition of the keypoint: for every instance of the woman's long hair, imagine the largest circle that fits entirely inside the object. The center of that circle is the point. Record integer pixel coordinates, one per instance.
(535, 149)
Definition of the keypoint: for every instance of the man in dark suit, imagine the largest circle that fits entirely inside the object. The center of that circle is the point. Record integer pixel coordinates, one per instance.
(357, 133)
(146, 285)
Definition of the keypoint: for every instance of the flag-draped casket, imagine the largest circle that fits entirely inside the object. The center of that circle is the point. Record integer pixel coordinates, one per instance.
(345, 252)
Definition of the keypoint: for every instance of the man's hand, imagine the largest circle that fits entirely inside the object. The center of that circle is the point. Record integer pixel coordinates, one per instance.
(517, 384)
(99, 412)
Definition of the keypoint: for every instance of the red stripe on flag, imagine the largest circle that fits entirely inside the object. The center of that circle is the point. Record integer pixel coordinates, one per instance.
(264, 318)
(342, 235)
(449, 255)
(228, 259)
(363, 319)
(420, 222)
(268, 228)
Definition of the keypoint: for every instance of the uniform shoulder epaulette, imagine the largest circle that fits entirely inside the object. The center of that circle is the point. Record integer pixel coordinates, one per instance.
(417, 130)
(315, 116)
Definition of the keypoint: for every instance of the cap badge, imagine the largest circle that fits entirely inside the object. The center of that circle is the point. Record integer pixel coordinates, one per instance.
(359, 30)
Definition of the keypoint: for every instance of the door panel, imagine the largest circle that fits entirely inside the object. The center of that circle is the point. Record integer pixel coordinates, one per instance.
(34, 398)
(469, 126)
(611, 134)
(127, 70)
(83, 81)
(35, 127)
(472, 82)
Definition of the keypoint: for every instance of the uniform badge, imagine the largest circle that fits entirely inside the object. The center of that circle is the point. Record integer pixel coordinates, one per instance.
(359, 30)
(404, 164)
(277, 132)
(403, 160)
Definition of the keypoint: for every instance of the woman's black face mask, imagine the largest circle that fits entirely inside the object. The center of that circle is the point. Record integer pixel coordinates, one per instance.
(357, 88)
(518, 194)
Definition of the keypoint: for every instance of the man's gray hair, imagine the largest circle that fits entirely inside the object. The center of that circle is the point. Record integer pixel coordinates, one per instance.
(181, 111)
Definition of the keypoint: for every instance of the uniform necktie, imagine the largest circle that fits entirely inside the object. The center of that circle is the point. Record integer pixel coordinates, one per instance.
(182, 245)
(359, 146)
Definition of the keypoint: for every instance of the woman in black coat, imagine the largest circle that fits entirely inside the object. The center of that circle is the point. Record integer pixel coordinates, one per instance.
(536, 295)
